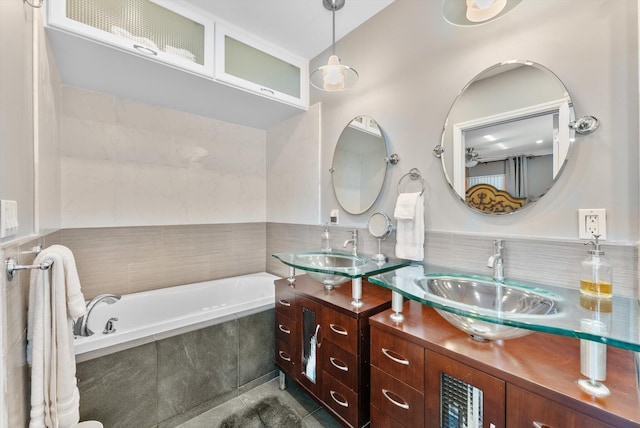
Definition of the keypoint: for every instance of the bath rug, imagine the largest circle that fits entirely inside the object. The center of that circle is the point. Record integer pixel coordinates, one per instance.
(269, 412)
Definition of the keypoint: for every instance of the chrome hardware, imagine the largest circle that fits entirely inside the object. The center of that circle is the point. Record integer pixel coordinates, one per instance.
(284, 329)
(267, 90)
(585, 125)
(284, 356)
(337, 364)
(413, 174)
(537, 424)
(332, 170)
(109, 327)
(438, 150)
(404, 406)
(292, 276)
(339, 330)
(496, 261)
(145, 50)
(317, 335)
(81, 325)
(392, 159)
(402, 361)
(353, 241)
(284, 303)
(12, 266)
(396, 305)
(343, 403)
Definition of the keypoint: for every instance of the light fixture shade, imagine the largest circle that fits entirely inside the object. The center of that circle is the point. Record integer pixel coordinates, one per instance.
(484, 10)
(334, 77)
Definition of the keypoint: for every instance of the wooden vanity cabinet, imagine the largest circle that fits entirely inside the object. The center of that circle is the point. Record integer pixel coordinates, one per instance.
(425, 372)
(339, 376)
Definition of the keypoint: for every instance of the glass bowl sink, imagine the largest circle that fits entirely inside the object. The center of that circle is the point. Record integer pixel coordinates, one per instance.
(323, 266)
(483, 297)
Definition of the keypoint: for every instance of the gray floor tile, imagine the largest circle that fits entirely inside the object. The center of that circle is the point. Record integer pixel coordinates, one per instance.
(320, 419)
(215, 416)
(293, 396)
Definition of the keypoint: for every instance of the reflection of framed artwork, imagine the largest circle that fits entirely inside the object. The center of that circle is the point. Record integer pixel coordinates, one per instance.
(486, 198)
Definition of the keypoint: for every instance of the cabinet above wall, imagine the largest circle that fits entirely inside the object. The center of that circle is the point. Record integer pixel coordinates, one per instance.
(162, 53)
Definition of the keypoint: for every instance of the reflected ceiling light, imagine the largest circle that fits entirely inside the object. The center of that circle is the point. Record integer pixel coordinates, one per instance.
(539, 141)
(476, 12)
(489, 138)
(483, 10)
(334, 77)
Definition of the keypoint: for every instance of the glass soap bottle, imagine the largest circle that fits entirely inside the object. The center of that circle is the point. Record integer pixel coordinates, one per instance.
(326, 240)
(596, 273)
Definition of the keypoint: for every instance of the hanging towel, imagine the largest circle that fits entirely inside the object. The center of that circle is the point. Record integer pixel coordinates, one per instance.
(55, 299)
(410, 229)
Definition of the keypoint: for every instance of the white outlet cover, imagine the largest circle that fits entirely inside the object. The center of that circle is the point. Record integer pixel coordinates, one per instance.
(601, 226)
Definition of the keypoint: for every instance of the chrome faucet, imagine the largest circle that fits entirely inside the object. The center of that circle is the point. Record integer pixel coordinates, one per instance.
(353, 241)
(496, 261)
(81, 326)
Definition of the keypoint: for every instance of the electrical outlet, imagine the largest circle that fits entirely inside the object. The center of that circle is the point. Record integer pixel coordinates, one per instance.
(592, 222)
(8, 218)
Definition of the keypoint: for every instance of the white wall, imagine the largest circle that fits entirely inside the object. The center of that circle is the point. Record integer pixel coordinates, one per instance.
(126, 163)
(412, 65)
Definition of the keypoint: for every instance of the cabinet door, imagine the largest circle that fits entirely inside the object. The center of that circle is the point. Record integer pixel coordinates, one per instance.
(309, 344)
(341, 330)
(526, 409)
(458, 395)
(249, 64)
(399, 401)
(160, 30)
(399, 358)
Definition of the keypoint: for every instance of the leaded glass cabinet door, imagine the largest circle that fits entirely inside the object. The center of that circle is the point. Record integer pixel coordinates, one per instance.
(157, 29)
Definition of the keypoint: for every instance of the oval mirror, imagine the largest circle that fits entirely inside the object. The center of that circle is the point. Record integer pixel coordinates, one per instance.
(359, 165)
(507, 137)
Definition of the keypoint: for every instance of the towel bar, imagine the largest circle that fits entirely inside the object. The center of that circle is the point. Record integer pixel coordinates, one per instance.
(13, 266)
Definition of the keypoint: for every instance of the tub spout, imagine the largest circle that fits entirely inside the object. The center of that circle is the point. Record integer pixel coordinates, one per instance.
(81, 326)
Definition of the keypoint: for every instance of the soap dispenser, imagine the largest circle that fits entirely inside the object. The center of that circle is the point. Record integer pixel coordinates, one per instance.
(326, 240)
(596, 273)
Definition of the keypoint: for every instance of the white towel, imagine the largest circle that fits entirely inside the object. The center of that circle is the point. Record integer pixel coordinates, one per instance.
(406, 206)
(410, 228)
(55, 299)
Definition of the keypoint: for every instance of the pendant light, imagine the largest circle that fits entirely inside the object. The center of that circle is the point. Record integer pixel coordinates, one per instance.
(334, 77)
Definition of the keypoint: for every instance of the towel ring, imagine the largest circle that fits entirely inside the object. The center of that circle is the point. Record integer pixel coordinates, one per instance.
(413, 174)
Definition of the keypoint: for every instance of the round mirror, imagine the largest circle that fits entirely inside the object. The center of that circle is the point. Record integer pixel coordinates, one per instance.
(380, 225)
(359, 165)
(507, 137)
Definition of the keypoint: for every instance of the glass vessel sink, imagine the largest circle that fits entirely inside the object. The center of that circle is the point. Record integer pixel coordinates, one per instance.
(334, 268)
(484, 296)
(326, 263)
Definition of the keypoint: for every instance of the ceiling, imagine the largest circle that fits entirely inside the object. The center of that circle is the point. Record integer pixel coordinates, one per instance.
(302, 27)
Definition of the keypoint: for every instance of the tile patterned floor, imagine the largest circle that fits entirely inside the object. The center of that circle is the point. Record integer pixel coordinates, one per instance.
(312, 414)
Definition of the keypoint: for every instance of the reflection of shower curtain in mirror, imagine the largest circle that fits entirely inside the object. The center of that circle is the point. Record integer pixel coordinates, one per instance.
(516, 176)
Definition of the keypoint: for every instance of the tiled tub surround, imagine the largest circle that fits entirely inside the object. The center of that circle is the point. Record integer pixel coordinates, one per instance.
(166, 382)
(126, 260)
(546, 261)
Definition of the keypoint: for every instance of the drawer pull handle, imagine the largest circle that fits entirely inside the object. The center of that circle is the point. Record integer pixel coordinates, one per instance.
(339, 330)
(389, 355)
(284, 356)
(339, 364)
(284, 302)
(267, 90)
(284, 329)
(145, 50)
(537, 424)
(343, 403)
(402, 405)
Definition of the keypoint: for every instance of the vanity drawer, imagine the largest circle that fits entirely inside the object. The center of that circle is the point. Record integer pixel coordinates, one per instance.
(340, 398)
(341, 330)
(340, 364)
(399, 358)
(396, 399)
(285, 357)
(381, 420)
(285, 328)
(285, 301)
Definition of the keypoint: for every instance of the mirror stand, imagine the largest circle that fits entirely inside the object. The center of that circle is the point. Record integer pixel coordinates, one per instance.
(380, 227)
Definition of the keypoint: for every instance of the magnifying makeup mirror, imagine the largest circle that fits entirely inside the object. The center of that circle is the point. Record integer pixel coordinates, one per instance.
(380, 227)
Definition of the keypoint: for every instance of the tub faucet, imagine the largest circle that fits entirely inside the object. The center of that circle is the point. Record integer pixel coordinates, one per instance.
(81, 326)
(353, 241)
(496, 261)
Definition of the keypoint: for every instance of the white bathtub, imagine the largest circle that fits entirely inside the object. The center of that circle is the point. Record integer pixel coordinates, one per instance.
(153, 315)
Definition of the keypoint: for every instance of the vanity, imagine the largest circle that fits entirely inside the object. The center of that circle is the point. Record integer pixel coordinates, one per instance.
(524, 382)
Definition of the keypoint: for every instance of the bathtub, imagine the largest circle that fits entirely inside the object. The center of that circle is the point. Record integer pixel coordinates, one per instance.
(153, 315)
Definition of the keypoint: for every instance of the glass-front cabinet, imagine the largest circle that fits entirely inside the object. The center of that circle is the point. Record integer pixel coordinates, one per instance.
(254, 66)
(160, 30)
